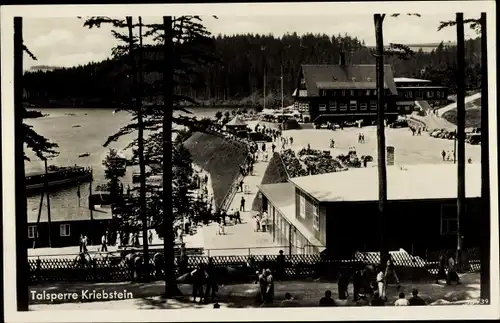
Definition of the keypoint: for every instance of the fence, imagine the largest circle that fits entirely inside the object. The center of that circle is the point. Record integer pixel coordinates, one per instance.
(115, 267)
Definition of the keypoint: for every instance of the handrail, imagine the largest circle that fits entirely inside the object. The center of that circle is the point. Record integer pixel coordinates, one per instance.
(284, 166)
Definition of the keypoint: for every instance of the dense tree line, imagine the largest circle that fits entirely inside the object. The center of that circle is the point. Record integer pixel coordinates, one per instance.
(238, 76)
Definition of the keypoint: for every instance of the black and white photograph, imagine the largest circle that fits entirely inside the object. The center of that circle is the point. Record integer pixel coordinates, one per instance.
(208, 160)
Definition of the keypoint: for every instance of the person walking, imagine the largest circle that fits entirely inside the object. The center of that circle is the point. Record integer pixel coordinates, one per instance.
(242, 204)
(237, 217)
(390, 273)
(85, 242)
(443, 154)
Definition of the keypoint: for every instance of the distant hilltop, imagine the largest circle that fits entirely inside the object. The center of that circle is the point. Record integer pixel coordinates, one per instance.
(43, 68)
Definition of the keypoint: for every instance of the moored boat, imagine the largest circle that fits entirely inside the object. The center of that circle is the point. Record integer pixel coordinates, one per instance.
(58, 177)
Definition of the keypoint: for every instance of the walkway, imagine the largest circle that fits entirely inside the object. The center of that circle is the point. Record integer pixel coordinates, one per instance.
(241, 239)
(307, 293)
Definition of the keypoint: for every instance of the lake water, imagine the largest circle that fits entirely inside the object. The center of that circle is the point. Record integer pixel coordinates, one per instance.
(95, 126)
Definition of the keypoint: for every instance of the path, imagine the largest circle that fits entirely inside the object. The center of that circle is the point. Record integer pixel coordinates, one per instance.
(307, 293)
(241, 239)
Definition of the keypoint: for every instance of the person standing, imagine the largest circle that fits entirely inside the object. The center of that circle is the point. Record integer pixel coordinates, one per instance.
(291, 141)
(150, 237)
(241, 186)
(452, 271)
(273, 147)
(85, 242)
(257, 223)
(212, 285)
(343, 284)
(81, 243)
(280, 266)
(381, 283)
(390, 272)
(262, 286)
(443, 154)
(242, 204)
(104, 247)
(269, 296)
(199, 276)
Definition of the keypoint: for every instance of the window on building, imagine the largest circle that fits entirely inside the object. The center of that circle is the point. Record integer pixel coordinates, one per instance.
(353, 93)
(373, 105)
(374, 92)
(367, 92)
(298, 246)
(302, 202)
(449, 221)
(408, 94)
(322, 92)
(333, 105)
(343, 107)
(353, 105)
(438, 94)
(385, 106)
(363, 106)
(343, 93)
(333, 92)
(430, 94)
(64, 230)
(322, 107)
(316, 218)
(32, 231)
(302, 81)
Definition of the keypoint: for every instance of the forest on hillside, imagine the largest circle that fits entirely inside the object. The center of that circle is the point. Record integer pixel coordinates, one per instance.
(237, 78)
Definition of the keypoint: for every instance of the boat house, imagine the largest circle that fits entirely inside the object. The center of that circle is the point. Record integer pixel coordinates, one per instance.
(343, 93)
(66, 226)
(339, 211)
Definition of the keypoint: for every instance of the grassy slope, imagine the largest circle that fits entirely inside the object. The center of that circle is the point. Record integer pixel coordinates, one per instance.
(472, 117)
(275, 173)
(219, 157)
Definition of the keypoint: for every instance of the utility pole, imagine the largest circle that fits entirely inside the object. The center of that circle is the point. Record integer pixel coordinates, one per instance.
(460, 129)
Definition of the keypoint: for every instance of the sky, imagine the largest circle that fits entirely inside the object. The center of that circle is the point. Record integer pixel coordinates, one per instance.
(65, 42)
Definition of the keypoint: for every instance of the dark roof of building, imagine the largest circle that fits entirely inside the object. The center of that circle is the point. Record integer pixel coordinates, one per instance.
(345, 77)
(236, 122)
(70, 213)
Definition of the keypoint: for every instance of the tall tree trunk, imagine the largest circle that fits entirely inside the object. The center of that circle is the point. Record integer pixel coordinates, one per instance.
(485, 170)
(382, 171)
(460, 131)
(171, 288)
(136, 72)
(22, 271)
(142, 162)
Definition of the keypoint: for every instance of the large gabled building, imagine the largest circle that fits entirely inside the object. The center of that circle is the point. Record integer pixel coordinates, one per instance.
(342, 93)
(339, 211)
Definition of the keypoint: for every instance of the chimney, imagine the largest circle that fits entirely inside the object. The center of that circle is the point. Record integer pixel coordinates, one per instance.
(342, 59)
(390, 155)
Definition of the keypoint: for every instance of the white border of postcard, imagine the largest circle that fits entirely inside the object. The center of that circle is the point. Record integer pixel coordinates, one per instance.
(271, 9)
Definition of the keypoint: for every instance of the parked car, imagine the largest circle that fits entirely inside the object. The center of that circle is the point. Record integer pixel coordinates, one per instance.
(399, 124)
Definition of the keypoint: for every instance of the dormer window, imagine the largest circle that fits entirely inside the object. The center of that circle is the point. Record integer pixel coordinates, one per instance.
(369, 79)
